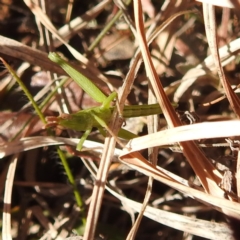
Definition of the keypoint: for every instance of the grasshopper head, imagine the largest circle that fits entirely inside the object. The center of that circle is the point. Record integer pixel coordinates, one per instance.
(57, 121)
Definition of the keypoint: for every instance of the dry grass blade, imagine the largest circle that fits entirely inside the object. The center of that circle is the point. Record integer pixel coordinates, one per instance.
(151, 73)
(78, 23)
(99, 187)
(18, 50)
(184, 133)
(6, 225)
(209, 16)
(29, 143)
(198, 227)
(238, 175)
(35, 57)
(134, 67)
(136, 161)
(43, 18)
(209, 178)
(227, 54)
(223, 3)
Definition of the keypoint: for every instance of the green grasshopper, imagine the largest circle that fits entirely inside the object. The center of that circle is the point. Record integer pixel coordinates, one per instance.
(98, 117)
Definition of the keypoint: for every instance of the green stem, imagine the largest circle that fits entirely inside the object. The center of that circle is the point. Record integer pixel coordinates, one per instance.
(70, 178)
(106, 29)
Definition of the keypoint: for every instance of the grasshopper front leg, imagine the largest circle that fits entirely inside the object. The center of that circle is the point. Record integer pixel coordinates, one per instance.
(83, 138)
